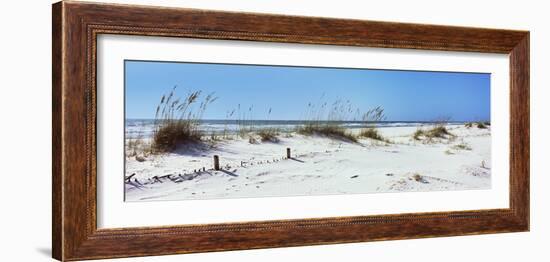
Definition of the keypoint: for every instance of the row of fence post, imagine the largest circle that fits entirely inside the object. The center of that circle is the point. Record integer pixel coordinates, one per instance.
(217, 159)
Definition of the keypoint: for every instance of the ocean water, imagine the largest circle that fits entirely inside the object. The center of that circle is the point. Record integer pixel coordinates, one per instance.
(145, 127)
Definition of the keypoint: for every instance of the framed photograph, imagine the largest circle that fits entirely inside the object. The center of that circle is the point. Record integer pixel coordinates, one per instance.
(192, 131)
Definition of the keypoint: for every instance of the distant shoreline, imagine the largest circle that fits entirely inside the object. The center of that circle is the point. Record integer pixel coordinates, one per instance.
(145, 127)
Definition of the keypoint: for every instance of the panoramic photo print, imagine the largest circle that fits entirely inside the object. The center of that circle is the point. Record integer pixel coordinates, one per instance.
(211, 131)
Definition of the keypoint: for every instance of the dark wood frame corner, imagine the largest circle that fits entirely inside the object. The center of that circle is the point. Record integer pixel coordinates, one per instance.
(76, 26)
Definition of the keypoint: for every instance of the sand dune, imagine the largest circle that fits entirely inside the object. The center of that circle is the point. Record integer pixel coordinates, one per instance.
(318, 166)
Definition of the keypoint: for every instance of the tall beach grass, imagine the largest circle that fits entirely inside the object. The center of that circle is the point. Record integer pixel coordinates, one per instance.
(177, 120)
(326, 120)
(439, 131)
(371, 118)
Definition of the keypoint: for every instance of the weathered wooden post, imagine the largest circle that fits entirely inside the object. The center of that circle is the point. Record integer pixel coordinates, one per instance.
(216, 162)
(288, 152)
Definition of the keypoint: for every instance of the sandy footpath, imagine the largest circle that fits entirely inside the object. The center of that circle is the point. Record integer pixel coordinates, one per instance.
(318, 166)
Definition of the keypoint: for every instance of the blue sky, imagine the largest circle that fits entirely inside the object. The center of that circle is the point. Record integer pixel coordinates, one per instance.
(405, 95)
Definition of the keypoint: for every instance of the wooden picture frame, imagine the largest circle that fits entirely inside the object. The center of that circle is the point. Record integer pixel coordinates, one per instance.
(76, 26)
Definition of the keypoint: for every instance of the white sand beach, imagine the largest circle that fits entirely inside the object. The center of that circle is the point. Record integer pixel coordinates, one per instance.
(319, 166)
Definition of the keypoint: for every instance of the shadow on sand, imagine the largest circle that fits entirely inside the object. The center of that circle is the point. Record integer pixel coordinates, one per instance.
(297, 160)
(193, 149)
(229, 173)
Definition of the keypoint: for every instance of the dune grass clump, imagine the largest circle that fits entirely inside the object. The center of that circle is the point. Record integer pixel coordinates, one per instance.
(418, 133)
(327, 119)
(469, 125)
(371, 119)
(268, 135)
(169, 135)
(331, 130)
(439, 131)
(177, 120)
(481, 125)
(372, 133)
(462, 146)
